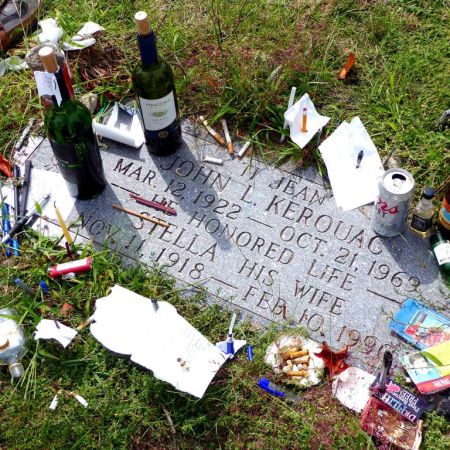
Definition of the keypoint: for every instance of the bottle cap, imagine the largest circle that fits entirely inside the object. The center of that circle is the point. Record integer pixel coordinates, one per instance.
(142, 23)
(4, 342)
(47, 56)
(428, 193)
(16, 370)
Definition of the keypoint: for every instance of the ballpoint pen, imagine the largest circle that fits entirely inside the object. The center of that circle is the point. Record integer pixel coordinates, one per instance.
(20, 223)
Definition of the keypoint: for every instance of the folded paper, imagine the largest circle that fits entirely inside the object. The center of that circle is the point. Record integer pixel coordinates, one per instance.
(52, 329)
(314, 121)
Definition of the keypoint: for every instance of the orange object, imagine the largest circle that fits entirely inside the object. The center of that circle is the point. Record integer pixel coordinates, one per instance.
(5, 167)
(304, 118)
(348, 65)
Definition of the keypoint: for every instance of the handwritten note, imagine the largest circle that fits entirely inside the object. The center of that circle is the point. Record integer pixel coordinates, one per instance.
(158, 338)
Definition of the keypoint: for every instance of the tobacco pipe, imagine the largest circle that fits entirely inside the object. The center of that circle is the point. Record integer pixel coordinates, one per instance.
(387, 364)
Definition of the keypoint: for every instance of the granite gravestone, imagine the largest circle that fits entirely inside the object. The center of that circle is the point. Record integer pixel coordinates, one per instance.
(267, 240)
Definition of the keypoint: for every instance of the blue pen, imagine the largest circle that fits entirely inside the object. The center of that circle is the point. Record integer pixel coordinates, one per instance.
(273, 389)
(249, 352)
(44, 287)
(6, 226)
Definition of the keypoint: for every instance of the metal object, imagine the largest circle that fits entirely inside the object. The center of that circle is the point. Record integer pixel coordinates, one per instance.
(395, 190)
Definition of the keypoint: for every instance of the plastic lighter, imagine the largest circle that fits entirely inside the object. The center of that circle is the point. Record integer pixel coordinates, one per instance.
(71, 267)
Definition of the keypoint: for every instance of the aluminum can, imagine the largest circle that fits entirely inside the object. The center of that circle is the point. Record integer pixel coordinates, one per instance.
(395, 190)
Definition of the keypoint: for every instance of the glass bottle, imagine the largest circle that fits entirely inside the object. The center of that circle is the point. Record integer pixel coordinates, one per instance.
(155, 91)
(69, 128)
(441, 249)
(422, 217)
(12, 342)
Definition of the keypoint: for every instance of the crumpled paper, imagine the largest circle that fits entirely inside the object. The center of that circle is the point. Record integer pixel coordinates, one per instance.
(52, 329)
(52, 32)
(351, 388)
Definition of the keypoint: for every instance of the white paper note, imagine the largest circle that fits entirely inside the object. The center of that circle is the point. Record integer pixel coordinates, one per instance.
(293, 116)
(52, 329)
(352, 186)
(157, 338)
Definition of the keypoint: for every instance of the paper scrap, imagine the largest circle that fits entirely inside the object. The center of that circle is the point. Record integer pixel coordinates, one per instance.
(352, 187)
(52, 329)
(156, 338)
(13, 64)
(293, 116)
(351, 388)
(122, 126)
(238, 344)
(51, 32)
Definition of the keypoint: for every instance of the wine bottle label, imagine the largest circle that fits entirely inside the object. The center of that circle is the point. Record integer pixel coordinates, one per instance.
(47, 85)
(158, 113)
(421, 224)
(442, 252)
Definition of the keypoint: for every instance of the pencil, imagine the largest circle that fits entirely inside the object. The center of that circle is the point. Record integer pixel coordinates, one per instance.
(142, 216)
(63, 226)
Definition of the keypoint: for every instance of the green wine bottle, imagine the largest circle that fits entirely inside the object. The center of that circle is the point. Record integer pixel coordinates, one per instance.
(441, 250)
(155, 91)
(68, 124)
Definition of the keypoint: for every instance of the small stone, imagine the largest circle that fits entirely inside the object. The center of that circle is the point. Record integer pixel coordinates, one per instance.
(66, 310)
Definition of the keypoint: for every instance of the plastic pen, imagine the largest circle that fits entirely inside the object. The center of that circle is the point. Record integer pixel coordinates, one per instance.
(6, 226)
(16, 173)
(20, 223)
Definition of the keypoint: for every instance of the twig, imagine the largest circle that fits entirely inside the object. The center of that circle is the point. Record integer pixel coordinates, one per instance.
(172, 426)
(142, 216)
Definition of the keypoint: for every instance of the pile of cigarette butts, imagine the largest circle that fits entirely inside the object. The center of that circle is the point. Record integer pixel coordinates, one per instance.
(294, 362)
(224, 142)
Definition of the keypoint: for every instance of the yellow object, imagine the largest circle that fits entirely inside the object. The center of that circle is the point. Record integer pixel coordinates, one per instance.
(440, 355)
(63, 227)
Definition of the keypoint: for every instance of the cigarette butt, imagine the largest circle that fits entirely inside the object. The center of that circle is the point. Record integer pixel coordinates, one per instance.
(227, 137)
(215, 135)
(304, 119)
(347, 66)
(210, 159)
(297, 373)
(301, 359)
(293, 355)
(244, 149)
(284, 312)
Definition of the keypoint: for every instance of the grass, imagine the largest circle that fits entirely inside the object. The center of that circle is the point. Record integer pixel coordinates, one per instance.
(235, 59)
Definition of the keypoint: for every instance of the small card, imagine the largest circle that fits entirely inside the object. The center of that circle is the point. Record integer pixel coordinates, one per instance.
(47, 85)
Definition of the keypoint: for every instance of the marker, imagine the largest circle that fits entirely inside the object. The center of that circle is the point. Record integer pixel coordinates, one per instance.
(304, 118)
(44, 287)
(27, 289)
(16, 173)
(6, 225)
(25, 188)
(20, 223)
(82, 265)
(273, 389)
(359, 159)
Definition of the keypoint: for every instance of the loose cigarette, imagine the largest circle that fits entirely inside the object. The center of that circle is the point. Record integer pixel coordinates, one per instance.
(293, 355)
(142, 216)
(244, 149)
(210, 159)
(290, 103)
(227, 136)
(299, 373)
(215, 135)
(85, 324)
(304, 118)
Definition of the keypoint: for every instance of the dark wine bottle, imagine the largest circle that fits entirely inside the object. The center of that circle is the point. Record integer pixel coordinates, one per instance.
(155, 91)
(441, 250)
(68, 124)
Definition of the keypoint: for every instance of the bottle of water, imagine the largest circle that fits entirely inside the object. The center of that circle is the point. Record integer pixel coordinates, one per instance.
(12, 342)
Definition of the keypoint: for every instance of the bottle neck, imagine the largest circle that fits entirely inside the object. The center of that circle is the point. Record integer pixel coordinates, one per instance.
(147, 48)
(64, 86)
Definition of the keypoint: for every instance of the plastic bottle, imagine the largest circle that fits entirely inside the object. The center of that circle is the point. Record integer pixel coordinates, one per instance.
(12, 342)
(422, 217)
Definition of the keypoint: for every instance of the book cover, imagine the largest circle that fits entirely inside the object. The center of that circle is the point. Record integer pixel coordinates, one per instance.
(420, 325)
